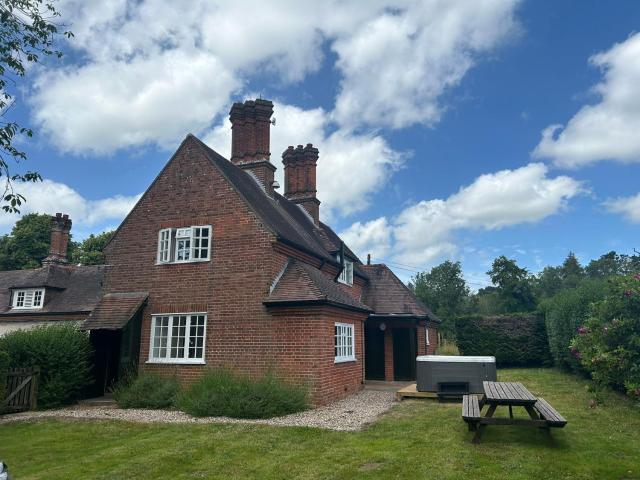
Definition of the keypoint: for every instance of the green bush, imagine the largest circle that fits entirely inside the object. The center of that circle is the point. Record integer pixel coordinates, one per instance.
(63, 353)
(564, 313)
(608, 344)
(147, 391)
(515, 340)
(4, 366)
(222, 393)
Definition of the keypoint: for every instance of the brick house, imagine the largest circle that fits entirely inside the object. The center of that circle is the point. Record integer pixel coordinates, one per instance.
(57, 291)
(214, 268)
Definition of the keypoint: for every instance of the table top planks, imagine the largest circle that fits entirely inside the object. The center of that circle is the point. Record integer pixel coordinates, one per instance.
(508, 393)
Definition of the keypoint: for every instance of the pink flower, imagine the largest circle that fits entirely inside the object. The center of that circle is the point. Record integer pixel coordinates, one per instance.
(637, 392)
(583, 330)
(637, 276)
(627, 293)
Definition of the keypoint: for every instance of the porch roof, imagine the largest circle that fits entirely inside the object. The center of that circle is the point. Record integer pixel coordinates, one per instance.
(114, 311)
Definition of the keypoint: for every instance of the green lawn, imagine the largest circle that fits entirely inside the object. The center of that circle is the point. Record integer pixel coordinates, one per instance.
(416, 440)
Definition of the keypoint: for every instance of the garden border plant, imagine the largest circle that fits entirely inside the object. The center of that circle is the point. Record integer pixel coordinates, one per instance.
(608, 343)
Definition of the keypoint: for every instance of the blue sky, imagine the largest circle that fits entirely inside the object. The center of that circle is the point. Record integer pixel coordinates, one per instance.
(435, 120)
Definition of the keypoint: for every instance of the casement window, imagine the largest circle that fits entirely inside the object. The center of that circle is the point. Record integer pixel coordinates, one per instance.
(346, 276)
(426, 335)
(185, 244)
(344, 343)
(177, 338)
(28, 298)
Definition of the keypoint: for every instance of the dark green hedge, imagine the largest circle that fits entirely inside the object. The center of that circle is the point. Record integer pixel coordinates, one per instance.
(4, 366)
(62, 352)
(515, 340)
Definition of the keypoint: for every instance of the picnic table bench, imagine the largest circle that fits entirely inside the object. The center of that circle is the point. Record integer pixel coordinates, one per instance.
(511, 394)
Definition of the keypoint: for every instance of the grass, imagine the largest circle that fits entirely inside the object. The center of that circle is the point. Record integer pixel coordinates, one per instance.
(447, 347)
(417, 439)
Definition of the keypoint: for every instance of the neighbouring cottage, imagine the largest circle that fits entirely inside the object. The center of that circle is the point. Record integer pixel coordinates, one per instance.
(57, 291)
(214, 268)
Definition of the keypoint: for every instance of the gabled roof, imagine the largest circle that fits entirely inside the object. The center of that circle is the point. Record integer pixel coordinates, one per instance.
(388, 295)
(70, 288)
(115, 310)
(278, 214)
(301, 283)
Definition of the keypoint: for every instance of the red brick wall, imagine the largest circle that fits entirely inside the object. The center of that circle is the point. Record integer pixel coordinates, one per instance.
(240, 332)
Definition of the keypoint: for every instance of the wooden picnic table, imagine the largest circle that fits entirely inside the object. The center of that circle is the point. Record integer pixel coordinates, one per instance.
(511, 394)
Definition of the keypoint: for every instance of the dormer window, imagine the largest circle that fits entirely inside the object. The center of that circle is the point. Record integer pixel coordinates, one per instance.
(29, 298)
(184, 244)
(346, 276)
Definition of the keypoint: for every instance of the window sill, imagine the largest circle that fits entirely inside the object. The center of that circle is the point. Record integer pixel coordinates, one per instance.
(176, 361)
(345, 283)
(344, 360)
(182, 263)
(26, 308)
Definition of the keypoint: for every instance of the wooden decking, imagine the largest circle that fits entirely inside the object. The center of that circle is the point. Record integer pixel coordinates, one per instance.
(410, 391)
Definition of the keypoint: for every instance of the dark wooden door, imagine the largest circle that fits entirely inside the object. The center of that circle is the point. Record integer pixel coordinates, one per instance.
(404, 353)
(373, 353)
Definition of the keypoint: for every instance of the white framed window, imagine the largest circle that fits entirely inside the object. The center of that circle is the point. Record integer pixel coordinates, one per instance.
(164, 245)
(177, 338)
(346, 275)
(344, 343)
(28, 298)
(426, 335)
(185, 244)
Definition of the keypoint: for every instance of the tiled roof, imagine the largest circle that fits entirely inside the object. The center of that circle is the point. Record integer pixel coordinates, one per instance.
(387, 295)
(69, 288)
(302, 283)
(115, 310)
(280, 215)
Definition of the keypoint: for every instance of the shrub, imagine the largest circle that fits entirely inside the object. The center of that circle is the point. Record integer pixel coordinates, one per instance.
(222, 393)
(608, 344)
(515, 340)
(147, 391)
(63, 353)
(564, 313)
(447, 347)
(4, 366)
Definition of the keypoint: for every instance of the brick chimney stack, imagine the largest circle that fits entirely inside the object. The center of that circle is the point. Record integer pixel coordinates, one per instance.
(60, 228)
(300, 178)
(250, 139)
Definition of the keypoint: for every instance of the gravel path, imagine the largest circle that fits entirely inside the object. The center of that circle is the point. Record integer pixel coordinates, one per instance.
(349, 414)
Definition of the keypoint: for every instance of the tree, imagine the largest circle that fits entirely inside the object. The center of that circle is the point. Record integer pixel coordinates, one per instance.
(27, 33)
(445, 291)
(89, 251)
(571, 271)
(548, 282)
(28, 243)
(513, 285)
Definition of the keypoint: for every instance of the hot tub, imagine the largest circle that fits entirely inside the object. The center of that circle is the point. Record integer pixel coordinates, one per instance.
(454, 375)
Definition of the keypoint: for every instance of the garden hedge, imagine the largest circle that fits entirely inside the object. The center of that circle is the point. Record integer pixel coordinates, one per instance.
(4, 366)
(63, 353)
(564, 313)
(515, 340)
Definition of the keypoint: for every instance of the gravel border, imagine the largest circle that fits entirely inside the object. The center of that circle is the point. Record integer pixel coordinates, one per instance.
(349, 414)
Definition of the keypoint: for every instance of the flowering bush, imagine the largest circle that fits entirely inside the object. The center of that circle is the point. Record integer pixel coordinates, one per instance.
(608, 344)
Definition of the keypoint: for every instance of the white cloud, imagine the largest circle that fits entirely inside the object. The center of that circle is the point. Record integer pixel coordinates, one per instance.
(398, 64)
(629, 207)
(151, 70)
(350, 168)
(83, 212)
(423, 233)
(607, 130)
(149, 100)
(367, 237)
